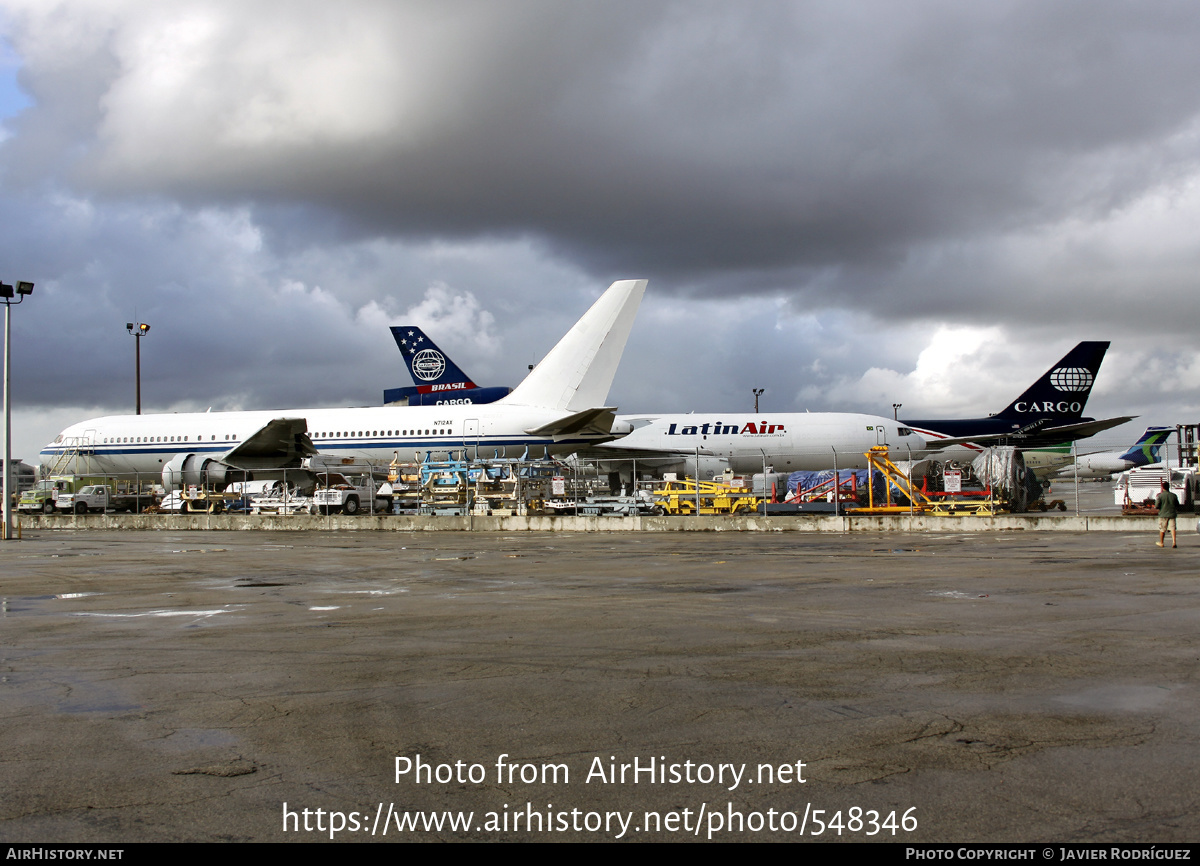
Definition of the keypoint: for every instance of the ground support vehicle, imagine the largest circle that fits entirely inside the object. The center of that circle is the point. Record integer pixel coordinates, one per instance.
(443, 487)
(100, 498)
(508, 487)
(939, 504)
(345, 494)
(92, 497)
(276, 497)
(502, 486)
(401, 493)
(169, 504)
(704, 497)
(610, 506)
(41, 498)
(1136, 489)
(282, 503)
(196, 500)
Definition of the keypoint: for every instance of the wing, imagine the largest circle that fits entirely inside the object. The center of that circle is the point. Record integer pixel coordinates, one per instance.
(279, 444)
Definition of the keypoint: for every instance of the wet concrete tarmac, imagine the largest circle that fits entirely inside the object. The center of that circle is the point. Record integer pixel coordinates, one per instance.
(985, 687)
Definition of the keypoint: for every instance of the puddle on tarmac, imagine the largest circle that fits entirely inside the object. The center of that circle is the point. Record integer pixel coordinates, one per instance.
(156, 613)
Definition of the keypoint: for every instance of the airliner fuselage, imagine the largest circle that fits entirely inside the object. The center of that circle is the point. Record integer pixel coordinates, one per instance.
(786, 441)
(143, 444)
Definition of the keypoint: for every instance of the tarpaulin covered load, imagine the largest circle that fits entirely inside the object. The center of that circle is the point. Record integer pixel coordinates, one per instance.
(807, 480)
(1003, 469)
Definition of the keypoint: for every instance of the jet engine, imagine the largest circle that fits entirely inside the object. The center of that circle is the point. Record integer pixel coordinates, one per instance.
(199, 470)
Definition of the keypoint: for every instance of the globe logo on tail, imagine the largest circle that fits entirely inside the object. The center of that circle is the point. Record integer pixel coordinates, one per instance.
(1071, 378)
(428, 364)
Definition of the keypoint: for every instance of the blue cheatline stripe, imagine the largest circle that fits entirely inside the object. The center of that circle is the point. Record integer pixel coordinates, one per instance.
(448, 442)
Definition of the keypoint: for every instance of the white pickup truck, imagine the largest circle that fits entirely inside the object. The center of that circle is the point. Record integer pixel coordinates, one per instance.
(100, 498)
(348, 494)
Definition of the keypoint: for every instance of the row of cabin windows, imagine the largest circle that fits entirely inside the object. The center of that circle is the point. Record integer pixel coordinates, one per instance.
(123, 439)
(441, 431)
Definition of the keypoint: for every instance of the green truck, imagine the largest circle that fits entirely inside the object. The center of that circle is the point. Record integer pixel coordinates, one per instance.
(41, 497)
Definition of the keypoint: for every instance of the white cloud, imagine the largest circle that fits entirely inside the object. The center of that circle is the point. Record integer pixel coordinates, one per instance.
(458, 315)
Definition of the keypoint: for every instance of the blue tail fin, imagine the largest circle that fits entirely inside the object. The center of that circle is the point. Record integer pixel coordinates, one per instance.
(1062, 391)
(1148, 447)
(438, 379)
(429, 366)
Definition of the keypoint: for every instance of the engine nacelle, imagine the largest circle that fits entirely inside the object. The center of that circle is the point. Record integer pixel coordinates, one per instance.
(198, 470)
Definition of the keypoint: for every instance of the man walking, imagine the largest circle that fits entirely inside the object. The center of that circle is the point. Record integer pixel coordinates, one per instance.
(1167, 504)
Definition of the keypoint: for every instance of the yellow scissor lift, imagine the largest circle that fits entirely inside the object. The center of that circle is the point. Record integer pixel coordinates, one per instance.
(922, 503)
(680, 497)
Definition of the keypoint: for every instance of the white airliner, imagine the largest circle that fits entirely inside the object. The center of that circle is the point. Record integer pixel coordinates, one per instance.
(746, 442)
(559, 407)
(1145, 452)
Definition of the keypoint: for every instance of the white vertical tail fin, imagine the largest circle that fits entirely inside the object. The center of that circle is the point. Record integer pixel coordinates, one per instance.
(578, 372)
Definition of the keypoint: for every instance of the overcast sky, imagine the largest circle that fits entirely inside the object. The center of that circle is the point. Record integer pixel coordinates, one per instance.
(848, 204)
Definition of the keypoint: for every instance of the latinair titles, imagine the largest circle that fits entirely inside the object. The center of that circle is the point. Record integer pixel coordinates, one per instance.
(720, 428)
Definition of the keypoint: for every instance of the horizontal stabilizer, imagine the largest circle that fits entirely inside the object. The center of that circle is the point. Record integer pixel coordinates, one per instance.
(1061, 432)
(278, 443)
(1087, 428)
(590, 422)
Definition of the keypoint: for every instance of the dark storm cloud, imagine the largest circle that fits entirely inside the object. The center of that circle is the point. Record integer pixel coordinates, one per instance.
(677, 139)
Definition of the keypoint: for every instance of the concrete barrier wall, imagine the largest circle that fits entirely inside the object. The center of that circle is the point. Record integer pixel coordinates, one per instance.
(703, 523)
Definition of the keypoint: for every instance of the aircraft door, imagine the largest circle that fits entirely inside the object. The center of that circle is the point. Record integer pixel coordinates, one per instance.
(471, 435)
(87, 452)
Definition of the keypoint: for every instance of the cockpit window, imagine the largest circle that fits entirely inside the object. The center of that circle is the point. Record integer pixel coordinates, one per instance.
(904, 431)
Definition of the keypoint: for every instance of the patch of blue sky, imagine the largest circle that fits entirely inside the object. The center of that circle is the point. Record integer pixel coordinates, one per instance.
(13, 99)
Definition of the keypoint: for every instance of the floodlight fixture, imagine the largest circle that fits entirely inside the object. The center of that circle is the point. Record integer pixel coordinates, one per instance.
(138, 330)
(24, 288)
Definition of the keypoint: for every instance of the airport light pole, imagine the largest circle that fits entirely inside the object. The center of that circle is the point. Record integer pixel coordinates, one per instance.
(7, 293)
(138, 330)
(757, 392)
(896, 411)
